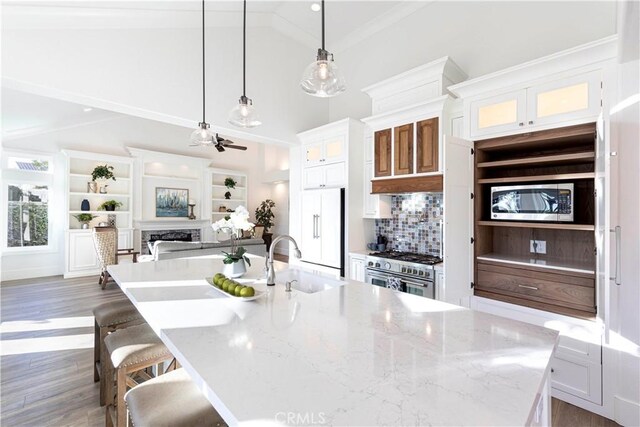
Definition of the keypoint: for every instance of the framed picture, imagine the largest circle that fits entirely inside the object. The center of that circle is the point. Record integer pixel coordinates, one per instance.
(172, 202)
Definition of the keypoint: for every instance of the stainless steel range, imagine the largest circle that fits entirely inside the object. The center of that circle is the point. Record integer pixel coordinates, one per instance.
(404, 271)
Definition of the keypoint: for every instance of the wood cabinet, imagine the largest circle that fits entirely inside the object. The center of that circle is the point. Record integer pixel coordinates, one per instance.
(563, 279)
(382, 153)
(565, 100)
(427, 146)
(566, 291)
(403, 150)
(327, 176)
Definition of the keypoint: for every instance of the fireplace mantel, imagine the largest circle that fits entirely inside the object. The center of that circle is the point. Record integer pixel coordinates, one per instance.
(170, 224)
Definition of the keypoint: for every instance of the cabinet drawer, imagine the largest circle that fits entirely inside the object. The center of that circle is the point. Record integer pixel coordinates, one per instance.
(557, 289)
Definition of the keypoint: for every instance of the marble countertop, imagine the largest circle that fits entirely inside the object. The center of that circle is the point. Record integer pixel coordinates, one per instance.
(354, 354)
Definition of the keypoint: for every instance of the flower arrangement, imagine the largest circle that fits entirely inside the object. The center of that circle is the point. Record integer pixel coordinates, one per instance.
(235, 223)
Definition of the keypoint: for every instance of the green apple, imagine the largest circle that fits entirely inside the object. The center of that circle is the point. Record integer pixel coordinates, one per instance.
(247, 291)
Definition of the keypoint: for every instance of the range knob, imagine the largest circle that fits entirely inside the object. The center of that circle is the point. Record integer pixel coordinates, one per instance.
(404, 269)
(415, 271)
(378, 264)
(370, 264)
(420, 273)
(387, 265)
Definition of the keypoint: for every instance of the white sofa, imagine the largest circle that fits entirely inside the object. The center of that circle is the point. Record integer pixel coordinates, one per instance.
(163, 249)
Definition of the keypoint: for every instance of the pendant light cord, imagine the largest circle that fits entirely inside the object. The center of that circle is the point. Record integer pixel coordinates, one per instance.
(323, 25)
(203, 71)
(244, 50)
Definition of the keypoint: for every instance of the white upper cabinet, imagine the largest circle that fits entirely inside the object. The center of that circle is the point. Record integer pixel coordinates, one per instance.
(559, 90)
(313, 154)
(333, 175)
(564, 100)
(328, 150)
(501, 113)
(561, 102)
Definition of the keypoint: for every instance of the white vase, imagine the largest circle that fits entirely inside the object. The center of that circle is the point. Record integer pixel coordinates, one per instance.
(235, 269)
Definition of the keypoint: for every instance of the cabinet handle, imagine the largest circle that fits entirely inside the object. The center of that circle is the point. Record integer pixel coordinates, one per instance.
(617, 231)
(552, 370)
(530, 122)
(528, 287)
(521, 124)
(318, 226)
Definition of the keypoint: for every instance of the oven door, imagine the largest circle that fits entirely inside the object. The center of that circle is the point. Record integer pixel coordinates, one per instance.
(376, 278)
(422, 289)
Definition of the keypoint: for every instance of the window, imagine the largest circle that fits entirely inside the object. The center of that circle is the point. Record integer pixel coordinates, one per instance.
(27, 215)
(28, 164)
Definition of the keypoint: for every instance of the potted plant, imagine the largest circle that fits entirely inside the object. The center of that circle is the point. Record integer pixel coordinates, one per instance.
(230, 182)
(109, 205)
(84, 219)
(264, 218)
(235, 223)
(104, 172)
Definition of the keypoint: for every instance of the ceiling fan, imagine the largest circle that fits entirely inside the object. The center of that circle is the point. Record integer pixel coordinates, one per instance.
(222, 143)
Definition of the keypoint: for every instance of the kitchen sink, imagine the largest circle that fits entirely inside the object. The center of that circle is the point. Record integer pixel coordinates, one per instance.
(307, 282)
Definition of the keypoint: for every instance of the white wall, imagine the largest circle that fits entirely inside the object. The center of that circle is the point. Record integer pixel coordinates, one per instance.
(156, 73)
(480, 36)
(112, 137)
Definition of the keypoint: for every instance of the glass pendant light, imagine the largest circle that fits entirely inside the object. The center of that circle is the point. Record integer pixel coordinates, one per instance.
(244, 114)
(322, 77)
(202, 135)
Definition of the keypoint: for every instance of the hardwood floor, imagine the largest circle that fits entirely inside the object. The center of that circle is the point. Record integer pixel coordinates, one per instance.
(46, 340)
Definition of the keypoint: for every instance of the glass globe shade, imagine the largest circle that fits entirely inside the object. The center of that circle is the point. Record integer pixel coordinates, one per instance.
(202, 135)
(244, 114)
(322, 78)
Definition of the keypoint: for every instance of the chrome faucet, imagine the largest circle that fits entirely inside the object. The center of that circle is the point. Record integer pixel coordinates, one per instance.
(271, 273)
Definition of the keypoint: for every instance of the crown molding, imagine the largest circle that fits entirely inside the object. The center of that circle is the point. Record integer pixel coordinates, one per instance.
(576, 57)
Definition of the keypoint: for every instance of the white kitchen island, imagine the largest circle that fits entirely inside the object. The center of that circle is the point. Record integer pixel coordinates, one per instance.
(353, 354)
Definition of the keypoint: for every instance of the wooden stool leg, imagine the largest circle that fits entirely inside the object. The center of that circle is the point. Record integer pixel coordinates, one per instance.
(121, 408)
(97, 345)
(106, 370)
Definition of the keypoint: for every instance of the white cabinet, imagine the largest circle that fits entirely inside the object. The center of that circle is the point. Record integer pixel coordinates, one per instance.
(356, 267)
(328, 150)
(82, 253)
(321, 227)
(458, 220)
(496, 114)
(440, 286)
(569, 100)
(576, 369)
(564, 100)
(328, 176)
(375, 206)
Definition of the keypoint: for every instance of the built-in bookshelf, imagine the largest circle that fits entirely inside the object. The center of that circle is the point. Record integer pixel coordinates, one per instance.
(80, 254)
(221, 202)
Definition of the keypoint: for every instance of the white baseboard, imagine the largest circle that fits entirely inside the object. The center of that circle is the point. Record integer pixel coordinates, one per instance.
(626, 412)
(72, 274)
(30, 273)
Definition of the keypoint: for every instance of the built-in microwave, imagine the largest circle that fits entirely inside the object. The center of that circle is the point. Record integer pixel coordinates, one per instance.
(541, 202)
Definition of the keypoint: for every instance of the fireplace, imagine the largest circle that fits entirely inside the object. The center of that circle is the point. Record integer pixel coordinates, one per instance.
(148, 237)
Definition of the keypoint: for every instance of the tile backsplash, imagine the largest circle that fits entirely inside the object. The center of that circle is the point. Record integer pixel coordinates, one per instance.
(415, 223)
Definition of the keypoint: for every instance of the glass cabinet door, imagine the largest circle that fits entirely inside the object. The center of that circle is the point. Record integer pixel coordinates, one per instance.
(312, 154)
(501, 113)
(334, 149)
(564, 100)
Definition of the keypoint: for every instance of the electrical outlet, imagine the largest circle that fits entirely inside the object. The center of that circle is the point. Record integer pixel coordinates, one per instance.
(538, 246)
